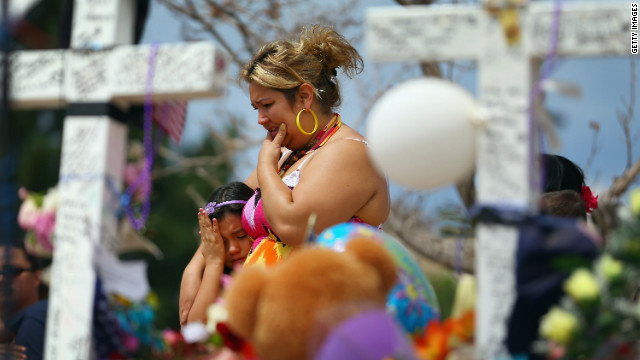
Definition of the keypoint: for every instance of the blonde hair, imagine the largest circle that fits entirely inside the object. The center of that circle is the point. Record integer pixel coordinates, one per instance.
(313, 58)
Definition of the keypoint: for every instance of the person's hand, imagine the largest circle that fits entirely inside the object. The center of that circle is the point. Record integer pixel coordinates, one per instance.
(212, 243)
(272, 148)
(12, 351)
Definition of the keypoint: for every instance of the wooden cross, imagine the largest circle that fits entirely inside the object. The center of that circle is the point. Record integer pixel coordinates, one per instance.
(96, 79)
(506, 55)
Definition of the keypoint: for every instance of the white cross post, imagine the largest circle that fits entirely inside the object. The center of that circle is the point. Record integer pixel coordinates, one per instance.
(100, 76)
(506, 162)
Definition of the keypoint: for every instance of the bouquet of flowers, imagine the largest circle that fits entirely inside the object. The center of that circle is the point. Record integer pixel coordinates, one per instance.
(213, 340)
(125, 329)
(37, 216)
(599, 318)
(453, 337)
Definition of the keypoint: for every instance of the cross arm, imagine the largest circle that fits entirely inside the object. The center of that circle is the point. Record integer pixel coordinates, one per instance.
(585, 29)
(44, 79)
(458, 32)
(427, 33)
(182, 72)
(37, 79)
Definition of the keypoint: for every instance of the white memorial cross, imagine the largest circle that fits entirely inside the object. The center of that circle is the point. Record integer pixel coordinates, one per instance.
(100, 76)
(506, 171)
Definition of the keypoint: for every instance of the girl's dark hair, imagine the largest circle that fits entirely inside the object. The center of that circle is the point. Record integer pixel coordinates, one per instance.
(561, 173)
(231, 191)
(563, 181)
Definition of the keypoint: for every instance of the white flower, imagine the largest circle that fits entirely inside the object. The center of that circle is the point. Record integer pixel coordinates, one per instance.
(50, 201)
(216, 313)
(28, 213)
(624, 213)
(194, 332)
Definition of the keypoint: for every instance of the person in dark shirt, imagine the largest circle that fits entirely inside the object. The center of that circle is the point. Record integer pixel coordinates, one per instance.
(30, 325)
(556, 237)
(24, 316)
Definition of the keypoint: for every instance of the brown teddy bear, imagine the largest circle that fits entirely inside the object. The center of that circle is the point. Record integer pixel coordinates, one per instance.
(286, 309)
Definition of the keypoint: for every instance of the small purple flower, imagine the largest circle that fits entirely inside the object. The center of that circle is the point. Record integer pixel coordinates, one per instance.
(210, 208)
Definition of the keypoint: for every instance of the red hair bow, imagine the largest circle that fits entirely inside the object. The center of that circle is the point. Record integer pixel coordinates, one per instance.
(590, 201)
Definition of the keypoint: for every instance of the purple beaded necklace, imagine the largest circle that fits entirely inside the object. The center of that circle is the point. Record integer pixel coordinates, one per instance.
(144, 179)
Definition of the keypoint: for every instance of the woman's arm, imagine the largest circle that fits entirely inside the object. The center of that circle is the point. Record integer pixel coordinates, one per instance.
(213, 252)
(338, 182)
(191, 279)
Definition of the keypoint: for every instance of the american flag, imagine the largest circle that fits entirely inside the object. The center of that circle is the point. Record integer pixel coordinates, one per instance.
(170, 117)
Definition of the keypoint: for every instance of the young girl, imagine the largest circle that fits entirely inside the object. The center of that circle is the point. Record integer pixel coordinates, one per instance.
(224, 247)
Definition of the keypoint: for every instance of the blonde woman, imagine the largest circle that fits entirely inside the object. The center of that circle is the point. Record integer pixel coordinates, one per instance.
(310, 161)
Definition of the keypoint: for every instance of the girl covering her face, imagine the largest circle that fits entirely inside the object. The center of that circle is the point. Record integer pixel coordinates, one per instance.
(223, 248)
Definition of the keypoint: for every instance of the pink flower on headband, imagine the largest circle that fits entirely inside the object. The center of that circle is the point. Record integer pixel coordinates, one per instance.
(590, 201)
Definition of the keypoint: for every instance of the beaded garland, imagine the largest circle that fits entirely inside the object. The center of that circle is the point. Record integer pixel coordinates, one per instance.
(320, 139)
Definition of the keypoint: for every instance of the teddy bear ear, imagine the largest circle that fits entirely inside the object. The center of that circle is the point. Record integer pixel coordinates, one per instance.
(242, 299)
(374, 253)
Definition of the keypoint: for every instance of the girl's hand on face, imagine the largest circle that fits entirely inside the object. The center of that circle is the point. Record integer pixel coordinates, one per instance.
(271, 148)
(212, 243)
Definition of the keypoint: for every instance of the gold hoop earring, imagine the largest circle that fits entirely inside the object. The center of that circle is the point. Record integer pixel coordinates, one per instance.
(315, 122)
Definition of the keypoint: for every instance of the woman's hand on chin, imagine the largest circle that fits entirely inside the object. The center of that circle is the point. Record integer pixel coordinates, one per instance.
(272, 148)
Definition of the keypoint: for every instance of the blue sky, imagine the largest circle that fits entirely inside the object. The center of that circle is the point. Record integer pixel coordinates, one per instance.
(604, 83)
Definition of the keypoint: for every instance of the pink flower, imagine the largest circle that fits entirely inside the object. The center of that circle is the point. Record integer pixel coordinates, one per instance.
(132, 171)
(172, 337)
(131, 343)
(28, 213)
(557, 351)
(44, 226)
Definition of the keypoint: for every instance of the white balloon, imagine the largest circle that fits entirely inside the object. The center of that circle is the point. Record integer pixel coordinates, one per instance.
(422, 133)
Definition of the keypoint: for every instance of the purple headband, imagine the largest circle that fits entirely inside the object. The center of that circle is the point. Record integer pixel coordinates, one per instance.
(212, 206)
